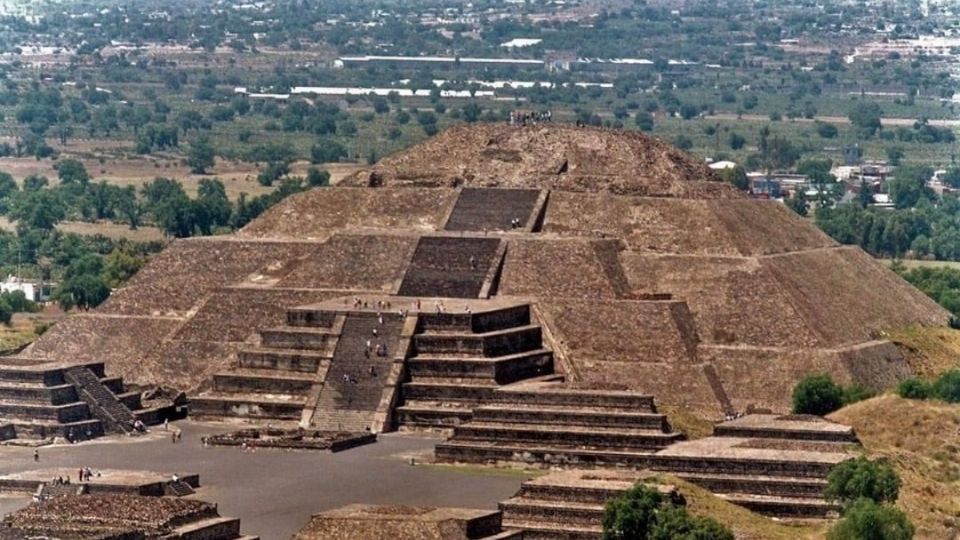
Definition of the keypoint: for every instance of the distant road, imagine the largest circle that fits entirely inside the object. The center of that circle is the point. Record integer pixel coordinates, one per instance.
(834, 120)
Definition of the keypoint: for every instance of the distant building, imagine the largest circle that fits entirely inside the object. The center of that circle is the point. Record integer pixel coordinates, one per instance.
(30, 289)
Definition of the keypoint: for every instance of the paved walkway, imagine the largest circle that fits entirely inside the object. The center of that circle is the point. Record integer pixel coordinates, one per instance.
(274, 492)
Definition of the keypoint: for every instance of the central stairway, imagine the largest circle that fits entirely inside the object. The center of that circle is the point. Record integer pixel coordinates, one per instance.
(483, 209)
(451, 267)
(351, 392)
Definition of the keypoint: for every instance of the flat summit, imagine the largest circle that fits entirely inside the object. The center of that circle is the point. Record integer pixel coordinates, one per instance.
(642, 270)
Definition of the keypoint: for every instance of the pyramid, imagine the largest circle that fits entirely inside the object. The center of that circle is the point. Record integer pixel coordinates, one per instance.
(645, 271)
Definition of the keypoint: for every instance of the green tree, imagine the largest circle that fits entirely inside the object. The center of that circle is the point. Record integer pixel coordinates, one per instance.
(798, 202)
(40, 210)
(119, 265)
(317, 177)
(947, 386)
(817, 394)
(82, 285)
(866, 520)
(736, 176)
(72, 171)
(861, 478)
(675, 523)
(200, 156)
(631, 516)
(914, 388)
(212, 195)
(866, 115)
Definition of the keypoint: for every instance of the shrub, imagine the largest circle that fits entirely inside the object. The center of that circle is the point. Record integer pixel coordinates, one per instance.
(643, 513)
(630, 516)
(817, 394)
(861, 478)
(855, 393)
(947, 386)
(867, 520)
(914, 388)
(675, 523)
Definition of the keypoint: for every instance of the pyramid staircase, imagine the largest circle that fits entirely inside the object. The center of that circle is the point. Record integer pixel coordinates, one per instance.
(452, 267)
(488, 209)
(41, 400)
(352, 392)
(459, 360)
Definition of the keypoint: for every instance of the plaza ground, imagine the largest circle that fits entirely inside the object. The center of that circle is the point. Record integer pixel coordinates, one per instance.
(275, 492)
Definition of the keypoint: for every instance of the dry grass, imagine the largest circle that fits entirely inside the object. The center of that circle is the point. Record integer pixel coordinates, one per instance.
(929, 351)
(745, 524)
(683, 420)
(922, 440)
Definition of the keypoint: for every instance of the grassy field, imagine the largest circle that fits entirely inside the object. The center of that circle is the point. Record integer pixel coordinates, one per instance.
(922, 440)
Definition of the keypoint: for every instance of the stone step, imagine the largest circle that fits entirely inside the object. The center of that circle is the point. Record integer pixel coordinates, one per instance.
(40, 374)
(538, 530)
(600, 417)
(504, 369)
(433, 415)
(304, 361)
(130, 400)
(342, 420)
(37, 393)
(69, 412)
(479, 322)
(779, 486)
(591, 494)
(259, 406)
(539, 455)
(784, 507)
(80, 430)
(310, 317)
(301, 338)
(692, 464)
(505, 535)
(214, 528)
(449, 390)
(114, 384)
(560, 396)
(830, 436)
(490, 344)
(526, 509)
(264, 380)
(581, 436)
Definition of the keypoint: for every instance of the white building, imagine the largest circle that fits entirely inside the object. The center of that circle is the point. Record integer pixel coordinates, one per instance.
(30, 289)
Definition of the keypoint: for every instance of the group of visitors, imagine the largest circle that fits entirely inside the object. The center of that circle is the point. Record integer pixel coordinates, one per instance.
(522, 118)
(86, 474)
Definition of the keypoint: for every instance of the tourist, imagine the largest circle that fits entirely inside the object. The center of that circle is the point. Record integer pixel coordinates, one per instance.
(374, 332)
(173, 438)
(166, 424)
(179, 435)
(81, 475)
(380, 319)
(36, 455)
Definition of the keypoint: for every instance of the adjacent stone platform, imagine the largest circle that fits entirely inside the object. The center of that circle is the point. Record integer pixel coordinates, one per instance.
(359, 521)
(570, 504)
(40, 401)
(554, 424)
(81, 517)
(293, 439)
(104, 481)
